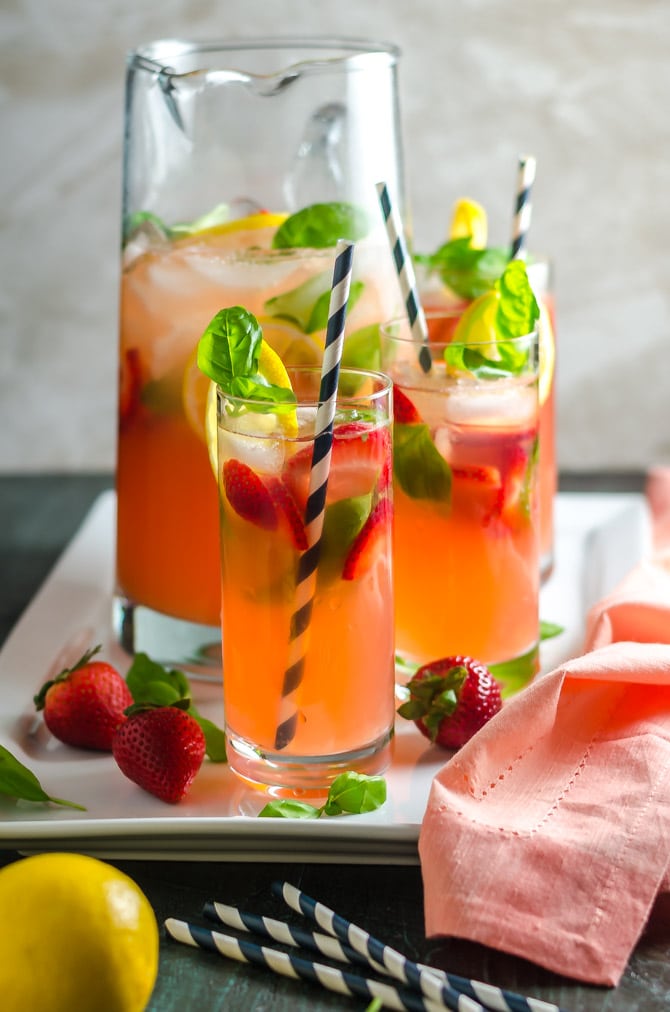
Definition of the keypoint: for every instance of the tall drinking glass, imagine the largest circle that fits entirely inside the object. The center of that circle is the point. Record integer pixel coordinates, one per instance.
(307, 698)
(223, 142)
(466, 498)
(436, 296)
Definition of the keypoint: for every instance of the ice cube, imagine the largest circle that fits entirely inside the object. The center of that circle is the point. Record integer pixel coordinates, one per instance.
(255, 439)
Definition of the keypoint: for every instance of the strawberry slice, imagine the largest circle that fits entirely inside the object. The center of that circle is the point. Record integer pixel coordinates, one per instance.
(404, 411)
(359, 454)
(288, 511)
(248, 495)
(371, 538)
(516, 504)
(130, 384)
(477, 490)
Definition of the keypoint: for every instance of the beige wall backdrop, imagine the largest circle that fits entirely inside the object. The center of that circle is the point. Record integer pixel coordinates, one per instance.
(583, 84)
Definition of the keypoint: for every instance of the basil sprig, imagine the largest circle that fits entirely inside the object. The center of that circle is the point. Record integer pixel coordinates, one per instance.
(350, 794)
(229, 351)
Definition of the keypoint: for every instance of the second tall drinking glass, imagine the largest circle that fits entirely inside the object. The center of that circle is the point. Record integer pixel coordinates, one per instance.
(466, 508)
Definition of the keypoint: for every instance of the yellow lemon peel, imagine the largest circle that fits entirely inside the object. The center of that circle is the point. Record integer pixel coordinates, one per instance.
(469, 220)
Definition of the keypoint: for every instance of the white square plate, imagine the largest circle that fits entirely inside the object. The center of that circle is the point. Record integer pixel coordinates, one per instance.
(600, 537)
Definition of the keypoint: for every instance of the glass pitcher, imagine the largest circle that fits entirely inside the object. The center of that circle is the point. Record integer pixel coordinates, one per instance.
(233, 153)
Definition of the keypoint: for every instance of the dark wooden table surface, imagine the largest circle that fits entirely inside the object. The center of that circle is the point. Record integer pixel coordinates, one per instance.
(38, 515)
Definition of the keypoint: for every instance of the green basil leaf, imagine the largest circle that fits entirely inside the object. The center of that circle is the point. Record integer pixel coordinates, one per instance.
(319, 226)
(215, 738)
(230, 346)
(288, 809)
(518, 311)
(354, 793)
(468, 272)
(550, 629)
(17, 781)
(318, 319)
(418, 466)
(150, 682)
(342, 522)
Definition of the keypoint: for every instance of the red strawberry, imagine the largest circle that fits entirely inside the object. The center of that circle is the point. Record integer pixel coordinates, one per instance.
(516, 503)
(404, 411)
(451, 699)
(359, 454)
(283, 500)
(83, 705)
(248, 495)
(161, 749)
(368, 541)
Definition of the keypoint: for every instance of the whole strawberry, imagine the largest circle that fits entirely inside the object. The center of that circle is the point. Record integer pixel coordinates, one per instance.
(84, 704)
(160, 748)
(450, 699)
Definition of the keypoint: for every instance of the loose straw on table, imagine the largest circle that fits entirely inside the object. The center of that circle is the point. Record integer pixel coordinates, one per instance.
(435, 985)
(316, 501)
(523, 207)
(406, 277)
(340, 981)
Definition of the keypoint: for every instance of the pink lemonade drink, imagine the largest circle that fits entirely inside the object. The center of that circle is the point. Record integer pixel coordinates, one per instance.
(342, 709)
(174, 280)
(466, 504)
(464, 268)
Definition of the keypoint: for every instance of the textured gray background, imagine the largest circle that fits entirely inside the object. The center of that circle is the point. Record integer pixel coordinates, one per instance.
(583, 85)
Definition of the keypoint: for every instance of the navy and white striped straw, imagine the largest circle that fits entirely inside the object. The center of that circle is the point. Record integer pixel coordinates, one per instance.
(340, 981)
(405, 271)
(434, 984)
(316, 501)
(287, 934)
(523, 207)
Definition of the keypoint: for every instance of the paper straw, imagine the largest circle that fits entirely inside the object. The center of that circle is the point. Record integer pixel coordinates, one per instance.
(405, 270)
(434, 984)
(297, 968)
(316, 500)
(523, 207)
(287, 934)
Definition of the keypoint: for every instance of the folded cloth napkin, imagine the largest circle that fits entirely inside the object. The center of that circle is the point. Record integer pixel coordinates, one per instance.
(548, 834)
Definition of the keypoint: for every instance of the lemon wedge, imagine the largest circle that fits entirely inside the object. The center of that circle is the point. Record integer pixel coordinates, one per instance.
(547, 353)
(477, 325)
(271, 368)
(468, 220)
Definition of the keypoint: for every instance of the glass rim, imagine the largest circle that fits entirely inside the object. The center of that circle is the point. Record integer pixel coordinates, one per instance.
(154, 56)
(407, 338)
(384, 386)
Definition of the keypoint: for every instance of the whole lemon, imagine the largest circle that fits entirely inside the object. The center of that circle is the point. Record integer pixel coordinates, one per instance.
(75, 933)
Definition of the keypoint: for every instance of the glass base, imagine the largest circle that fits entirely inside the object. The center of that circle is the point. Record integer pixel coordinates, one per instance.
(167, 640)
(303, 776)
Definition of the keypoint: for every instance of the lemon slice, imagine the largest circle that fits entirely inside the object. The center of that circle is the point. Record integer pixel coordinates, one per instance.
(240, 233)
(294, 347)
(468, 220)
(547, 353)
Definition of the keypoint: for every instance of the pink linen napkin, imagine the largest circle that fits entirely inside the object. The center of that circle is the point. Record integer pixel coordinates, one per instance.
(548, 834)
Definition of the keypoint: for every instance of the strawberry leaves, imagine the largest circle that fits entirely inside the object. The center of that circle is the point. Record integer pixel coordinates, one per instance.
(151, 683)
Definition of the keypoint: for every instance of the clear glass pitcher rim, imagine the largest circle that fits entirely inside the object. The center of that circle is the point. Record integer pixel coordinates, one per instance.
(155, 56)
